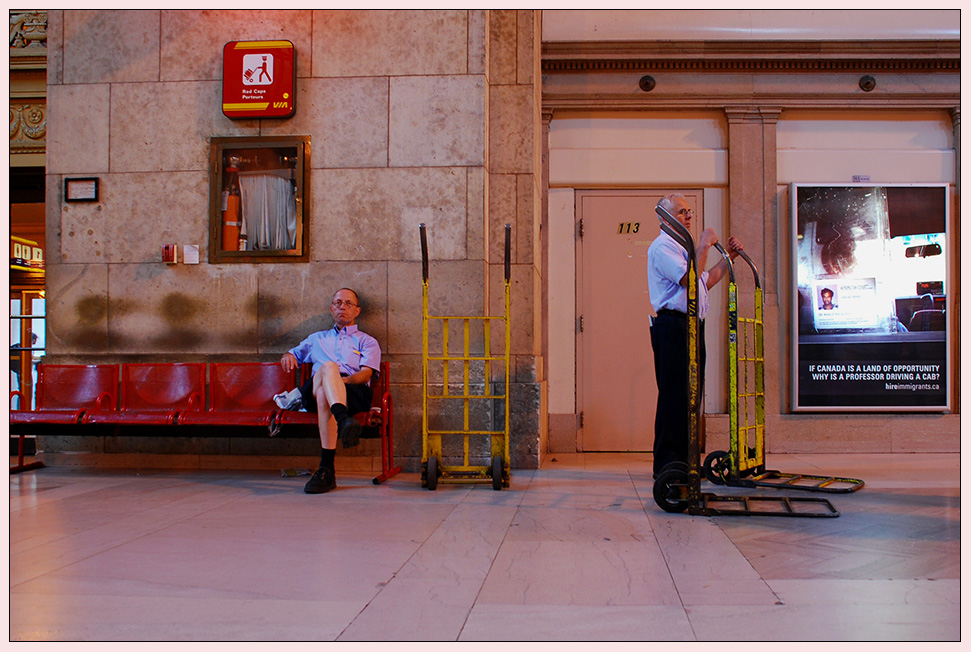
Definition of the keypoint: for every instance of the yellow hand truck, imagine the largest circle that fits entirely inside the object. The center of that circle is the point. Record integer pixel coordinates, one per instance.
(433, 468)
(677, 487)
(744, 464)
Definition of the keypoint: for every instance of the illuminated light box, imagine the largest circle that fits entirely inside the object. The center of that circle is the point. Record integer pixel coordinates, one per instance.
(259, 79)
(871, 297)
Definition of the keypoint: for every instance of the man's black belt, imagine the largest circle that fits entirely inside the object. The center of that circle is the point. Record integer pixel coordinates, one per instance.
(673, 313)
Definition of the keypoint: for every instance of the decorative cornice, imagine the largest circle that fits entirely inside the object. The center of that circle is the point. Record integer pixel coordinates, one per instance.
(28, 127)
(761, 56)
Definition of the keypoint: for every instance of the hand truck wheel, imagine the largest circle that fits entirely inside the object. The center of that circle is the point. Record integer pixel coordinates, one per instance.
(431, 473)
(716, 467)
(497, 473)
(670, 489)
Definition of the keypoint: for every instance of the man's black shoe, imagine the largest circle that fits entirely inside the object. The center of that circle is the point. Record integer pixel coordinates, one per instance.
(349, 431)
(321, 482)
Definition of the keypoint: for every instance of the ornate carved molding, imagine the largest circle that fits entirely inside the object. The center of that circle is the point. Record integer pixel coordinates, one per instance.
(28, 127)
(764, 56)
(28, 29)
(598, 76)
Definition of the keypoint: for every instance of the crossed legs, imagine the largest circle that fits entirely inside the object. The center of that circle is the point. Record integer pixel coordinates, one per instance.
(328, 389)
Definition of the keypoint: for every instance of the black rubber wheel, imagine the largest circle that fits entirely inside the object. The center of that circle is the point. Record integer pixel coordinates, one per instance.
(670, 490)
(432, 474)
(716, 467)
(497, 473)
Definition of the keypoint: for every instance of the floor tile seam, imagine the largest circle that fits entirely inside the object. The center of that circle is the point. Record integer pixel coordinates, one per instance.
(684, 606)
(453, 507)
(667, 565)
(495, 556)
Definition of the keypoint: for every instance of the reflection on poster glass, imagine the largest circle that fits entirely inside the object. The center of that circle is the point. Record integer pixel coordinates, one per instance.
(871, 297)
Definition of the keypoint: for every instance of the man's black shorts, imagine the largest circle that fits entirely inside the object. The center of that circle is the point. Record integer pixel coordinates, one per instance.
(358, 397)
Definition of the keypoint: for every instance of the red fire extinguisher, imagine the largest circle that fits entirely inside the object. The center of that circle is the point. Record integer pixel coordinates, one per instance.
(232, 215)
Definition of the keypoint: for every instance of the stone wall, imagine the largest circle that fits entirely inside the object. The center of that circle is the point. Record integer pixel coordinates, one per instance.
(414, 117)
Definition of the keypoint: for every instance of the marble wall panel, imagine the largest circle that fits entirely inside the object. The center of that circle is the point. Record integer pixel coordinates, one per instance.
(503, 205)
(511, 129)
(395, 42)
(346, 118)
(503, 57)
(182, 309)
(294, 300)
(77, 309)
(84, 234)
(111, 46)
(55, 46)
(374, 214)
(143, 211)
(77, 140)
(478, 34)
(437, 121)
(192, 40)
(528, 43)
(166, 126)
(478, 193)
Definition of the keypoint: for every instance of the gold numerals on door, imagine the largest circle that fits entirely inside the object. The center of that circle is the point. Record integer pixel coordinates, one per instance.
(629, 227)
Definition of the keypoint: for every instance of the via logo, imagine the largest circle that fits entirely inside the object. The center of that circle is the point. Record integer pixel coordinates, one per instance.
(257, 69)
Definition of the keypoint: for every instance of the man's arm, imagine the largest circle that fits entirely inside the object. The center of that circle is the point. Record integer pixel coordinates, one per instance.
(359, 378)
(717, 272)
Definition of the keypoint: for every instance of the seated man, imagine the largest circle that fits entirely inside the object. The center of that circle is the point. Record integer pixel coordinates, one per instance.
(343, 358)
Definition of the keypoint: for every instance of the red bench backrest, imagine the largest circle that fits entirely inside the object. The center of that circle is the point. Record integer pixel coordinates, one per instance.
(161, 386)
(243, 386)
(63, 387)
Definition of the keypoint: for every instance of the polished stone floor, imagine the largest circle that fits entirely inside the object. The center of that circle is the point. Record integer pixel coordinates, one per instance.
(576, 550)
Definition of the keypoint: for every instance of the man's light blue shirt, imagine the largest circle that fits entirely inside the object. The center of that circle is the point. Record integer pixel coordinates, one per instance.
(349, 347)
(667, 263)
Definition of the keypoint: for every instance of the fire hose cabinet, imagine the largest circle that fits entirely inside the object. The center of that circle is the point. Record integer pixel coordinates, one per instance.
(258, 199)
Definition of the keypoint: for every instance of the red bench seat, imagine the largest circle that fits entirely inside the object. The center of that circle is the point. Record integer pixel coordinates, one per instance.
(241, 394)
(155, 394)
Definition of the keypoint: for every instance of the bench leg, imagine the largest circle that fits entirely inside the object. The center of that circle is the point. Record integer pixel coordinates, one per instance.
(388, 469)
(20, 459)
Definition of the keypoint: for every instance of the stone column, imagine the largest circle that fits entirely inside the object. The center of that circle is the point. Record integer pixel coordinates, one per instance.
(754, 219)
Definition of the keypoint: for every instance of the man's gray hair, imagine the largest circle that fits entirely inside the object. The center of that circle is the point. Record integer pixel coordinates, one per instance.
(667, 202)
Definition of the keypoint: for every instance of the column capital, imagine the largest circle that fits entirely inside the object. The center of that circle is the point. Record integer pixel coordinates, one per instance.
(752, 114)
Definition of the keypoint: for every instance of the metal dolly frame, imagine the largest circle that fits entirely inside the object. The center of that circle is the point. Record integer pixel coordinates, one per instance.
(433, 469)
(677, 487)
(744, 464)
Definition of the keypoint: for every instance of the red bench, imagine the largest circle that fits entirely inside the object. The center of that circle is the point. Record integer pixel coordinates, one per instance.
(241, 394)
(155, 394)
(174, 394)
(64, 394)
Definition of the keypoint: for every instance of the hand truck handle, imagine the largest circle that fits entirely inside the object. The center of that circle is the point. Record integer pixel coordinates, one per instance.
(755, 270)
(728, 260)
(508, 262)
(424, 252)
(676, 230)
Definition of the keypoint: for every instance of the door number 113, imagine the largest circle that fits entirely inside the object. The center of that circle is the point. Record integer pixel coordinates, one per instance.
(629, 227)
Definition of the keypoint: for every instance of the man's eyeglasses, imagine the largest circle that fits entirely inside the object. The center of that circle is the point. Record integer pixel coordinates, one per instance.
(337, 303)
(685, 212)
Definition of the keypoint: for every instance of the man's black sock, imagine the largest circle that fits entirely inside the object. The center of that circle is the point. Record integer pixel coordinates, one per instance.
(327, 457)
(339, 410)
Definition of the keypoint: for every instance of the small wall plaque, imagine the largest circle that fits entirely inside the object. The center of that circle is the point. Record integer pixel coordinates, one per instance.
(81, 189)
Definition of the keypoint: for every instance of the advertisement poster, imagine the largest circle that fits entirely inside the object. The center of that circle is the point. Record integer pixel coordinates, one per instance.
(870, 325)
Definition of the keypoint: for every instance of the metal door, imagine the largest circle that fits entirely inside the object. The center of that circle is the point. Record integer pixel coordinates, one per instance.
(616, 389)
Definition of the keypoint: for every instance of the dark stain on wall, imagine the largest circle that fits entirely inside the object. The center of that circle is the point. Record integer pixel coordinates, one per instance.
(91, 308)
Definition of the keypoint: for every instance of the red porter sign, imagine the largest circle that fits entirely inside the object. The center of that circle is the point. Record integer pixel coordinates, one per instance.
(259, 78)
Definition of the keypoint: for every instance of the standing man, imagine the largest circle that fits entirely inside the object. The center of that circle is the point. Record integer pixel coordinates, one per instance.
(344, 359)
(667, 280)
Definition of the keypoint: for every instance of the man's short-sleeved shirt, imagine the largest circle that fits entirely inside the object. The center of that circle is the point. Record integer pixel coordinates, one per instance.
(667, 263)
(349, 347)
